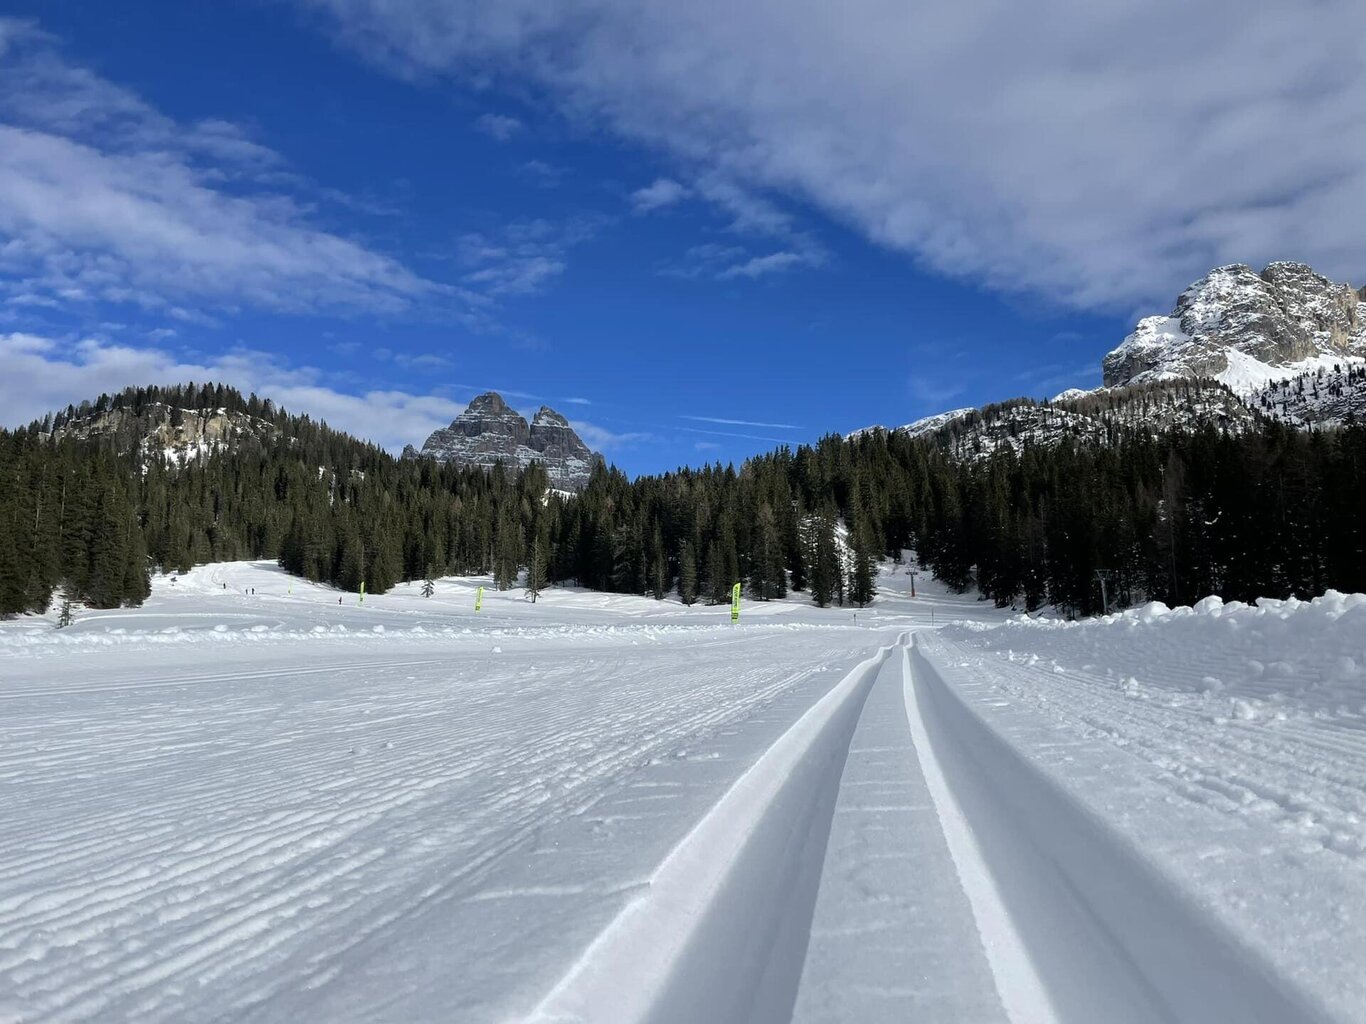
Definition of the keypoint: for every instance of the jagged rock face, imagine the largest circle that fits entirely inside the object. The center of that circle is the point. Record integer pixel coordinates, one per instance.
(488, 431)
(1239, 327)
(182, 434)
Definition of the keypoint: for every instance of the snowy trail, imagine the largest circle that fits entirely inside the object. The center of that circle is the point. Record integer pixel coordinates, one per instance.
(1109, 934)
(893, 936)
(896, 853)
(190, 846)
(614, 810)
(721, 933)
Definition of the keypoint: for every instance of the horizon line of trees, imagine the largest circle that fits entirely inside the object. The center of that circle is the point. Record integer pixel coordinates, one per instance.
(1270, 511)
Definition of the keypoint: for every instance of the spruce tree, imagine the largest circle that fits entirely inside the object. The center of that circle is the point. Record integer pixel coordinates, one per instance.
(862, 579)
(687, 574)
(537, 569)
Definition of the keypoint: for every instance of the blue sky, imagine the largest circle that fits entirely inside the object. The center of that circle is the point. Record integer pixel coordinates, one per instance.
(695, 233)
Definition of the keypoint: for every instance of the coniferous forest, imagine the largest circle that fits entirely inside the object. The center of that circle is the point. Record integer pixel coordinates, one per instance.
(1271, 511)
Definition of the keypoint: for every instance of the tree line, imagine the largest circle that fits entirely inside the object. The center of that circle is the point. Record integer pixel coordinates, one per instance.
(1268, 511)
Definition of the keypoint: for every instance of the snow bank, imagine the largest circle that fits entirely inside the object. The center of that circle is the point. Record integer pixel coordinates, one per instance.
(1287, 656)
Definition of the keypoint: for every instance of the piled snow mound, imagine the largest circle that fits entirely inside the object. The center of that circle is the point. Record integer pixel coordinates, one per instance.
(1307, 656)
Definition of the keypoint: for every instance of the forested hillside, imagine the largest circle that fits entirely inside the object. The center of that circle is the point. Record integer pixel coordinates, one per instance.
(1269, 511)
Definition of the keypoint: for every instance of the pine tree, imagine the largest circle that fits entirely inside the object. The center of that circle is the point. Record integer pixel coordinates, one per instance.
(687, 574)
(827, 577)
(659, 577)
(717, 589)
(537, 569)
(862, 580)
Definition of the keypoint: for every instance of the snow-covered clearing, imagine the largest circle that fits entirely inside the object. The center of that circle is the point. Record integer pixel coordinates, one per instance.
(275, 807)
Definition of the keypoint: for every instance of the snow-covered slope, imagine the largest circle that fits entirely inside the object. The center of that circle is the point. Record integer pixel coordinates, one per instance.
(272, 806)
(488, 431)
(1097, 417)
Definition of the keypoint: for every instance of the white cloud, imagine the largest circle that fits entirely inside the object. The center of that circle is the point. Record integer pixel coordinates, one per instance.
(658, 194)
(728, 433)
(39, 375)
(601, 439)
(542, 174)
(103, 198)
(521, 258)
(741, 423)
(721, 262)
(1098, 154)
(932, 393)
(772, 263)
(499, 126)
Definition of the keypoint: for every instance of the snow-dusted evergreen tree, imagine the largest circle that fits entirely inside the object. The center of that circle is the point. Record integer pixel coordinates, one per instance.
(537, 569)
(823, 561)
(863, 573)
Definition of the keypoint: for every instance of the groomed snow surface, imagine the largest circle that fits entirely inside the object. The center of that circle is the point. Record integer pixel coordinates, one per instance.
(270, 806)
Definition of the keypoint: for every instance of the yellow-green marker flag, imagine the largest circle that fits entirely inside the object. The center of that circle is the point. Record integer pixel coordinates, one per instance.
(735, 603)
(362, 593)
(479, 600)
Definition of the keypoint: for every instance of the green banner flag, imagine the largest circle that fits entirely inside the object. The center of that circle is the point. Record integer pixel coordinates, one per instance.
(479, 600)
(735, 603)
(362, 592)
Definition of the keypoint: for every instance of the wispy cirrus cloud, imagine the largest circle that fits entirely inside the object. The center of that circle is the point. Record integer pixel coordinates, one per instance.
(730, 433)
(930, 392)
(771, 263)
(742, 423)
(499, 126)
(658, 194)
(542, 174)
(720, 261)
(1106, 163)
(604, 439)
(105, 199)
(522, 257)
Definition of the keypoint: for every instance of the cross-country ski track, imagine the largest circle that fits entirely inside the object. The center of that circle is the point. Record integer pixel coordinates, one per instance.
(934, 813)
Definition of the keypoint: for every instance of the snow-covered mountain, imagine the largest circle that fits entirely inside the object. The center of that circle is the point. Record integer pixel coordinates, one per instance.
(1287, 343)
(1098, 417)
(489, 431)
(1246, 330)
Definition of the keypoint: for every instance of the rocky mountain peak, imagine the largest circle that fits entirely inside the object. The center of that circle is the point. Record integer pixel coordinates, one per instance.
(490, 403)
(548, 417)
(489, 431)
(1244, 329)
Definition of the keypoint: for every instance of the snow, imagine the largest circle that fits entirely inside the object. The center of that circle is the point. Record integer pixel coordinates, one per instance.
(1246, 375)
(276, 807)
(921, 427)
(929, 424)
(1071, 394)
